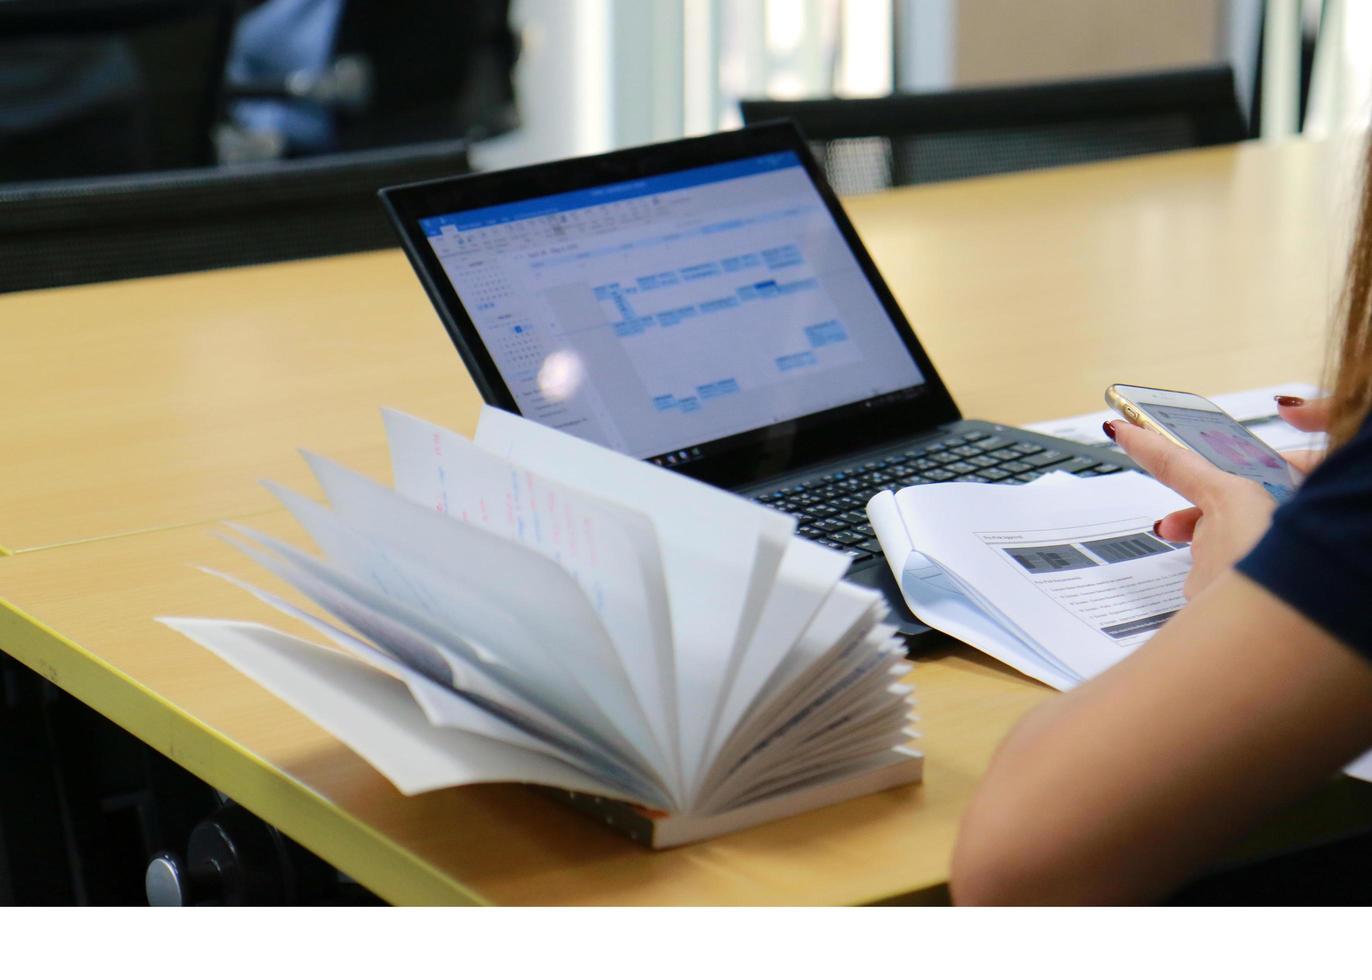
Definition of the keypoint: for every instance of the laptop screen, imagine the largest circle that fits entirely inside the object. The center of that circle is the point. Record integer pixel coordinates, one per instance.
(658, 315)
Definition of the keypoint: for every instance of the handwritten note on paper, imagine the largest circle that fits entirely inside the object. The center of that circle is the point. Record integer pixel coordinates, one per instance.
(610, 551)
(721, 556)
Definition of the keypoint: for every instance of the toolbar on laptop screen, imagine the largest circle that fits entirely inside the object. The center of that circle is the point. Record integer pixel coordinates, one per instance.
(660, 314)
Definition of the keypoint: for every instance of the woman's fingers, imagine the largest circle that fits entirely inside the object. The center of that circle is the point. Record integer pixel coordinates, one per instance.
(1304, 460)
(1184, 470)
(1180, 525)
(1306, 414)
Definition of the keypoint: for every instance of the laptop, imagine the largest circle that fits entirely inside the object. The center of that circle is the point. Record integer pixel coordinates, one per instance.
(706, 305)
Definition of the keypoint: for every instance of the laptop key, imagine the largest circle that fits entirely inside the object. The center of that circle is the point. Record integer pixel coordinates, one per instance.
(1046, 457)
(1078, 463)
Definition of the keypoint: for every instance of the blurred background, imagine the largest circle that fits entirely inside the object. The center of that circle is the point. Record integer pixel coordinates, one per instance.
(107, 86)
(268, 125)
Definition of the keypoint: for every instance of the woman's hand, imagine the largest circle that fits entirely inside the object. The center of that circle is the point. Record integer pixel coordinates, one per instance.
(1309, 416)
(1230, 512)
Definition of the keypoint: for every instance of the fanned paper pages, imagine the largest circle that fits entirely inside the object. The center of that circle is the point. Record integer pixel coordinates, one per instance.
(529, 607)
(1060, 578)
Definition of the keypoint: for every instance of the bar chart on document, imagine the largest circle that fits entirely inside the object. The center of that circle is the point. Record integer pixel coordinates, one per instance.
(673, 310)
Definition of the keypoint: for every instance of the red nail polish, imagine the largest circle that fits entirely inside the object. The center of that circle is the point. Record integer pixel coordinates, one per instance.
(1157, 528)
(1109, 428)
(1289, 401)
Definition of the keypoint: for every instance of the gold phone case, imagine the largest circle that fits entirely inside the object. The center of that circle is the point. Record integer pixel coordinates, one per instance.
(1122, 404)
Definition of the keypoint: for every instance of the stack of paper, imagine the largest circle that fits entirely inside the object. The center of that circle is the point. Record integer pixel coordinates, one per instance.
(529, 607)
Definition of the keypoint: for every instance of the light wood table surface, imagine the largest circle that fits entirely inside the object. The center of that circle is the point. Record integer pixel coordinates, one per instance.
(139, 413)
(160, 402)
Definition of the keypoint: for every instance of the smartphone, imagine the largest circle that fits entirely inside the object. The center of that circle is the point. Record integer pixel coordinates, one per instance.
(1199, 424)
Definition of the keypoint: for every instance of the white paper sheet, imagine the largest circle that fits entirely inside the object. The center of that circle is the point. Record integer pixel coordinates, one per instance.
(373, 714)
(442, 705)
(720, 553)
(434, 650)
(1072, 564)
(462, 561)
(848, 616)
(611, 552)
(808, 573)
(937, 600)
(852, 684)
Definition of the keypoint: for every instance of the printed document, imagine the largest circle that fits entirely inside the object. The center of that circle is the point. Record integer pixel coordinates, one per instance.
(1059, 578)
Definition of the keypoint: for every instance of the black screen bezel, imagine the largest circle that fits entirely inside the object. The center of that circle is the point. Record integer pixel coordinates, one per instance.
(736, 460)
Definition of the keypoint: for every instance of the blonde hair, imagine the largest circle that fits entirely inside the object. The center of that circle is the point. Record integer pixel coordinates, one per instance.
(1351, 375)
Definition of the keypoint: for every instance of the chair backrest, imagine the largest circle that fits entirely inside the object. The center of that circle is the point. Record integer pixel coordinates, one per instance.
(61, 233)
(438, 70)
(126, 85)
(870, 144)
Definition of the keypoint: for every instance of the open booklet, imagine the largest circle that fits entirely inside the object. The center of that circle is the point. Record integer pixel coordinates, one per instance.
(529, 607)
(1060, 578)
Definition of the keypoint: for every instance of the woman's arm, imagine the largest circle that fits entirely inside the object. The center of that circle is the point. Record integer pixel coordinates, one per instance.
(1123, 789)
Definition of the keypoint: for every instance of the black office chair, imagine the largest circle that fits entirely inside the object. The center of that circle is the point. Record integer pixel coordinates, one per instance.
(404, 71)
(91, 87)
(439, 70)
(871, 144)
(62, 233)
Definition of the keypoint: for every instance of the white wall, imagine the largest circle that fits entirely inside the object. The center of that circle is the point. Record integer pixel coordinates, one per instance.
(562, 82)
(599, 74)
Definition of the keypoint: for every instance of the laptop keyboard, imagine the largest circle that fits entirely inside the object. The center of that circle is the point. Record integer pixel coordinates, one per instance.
(832, 509)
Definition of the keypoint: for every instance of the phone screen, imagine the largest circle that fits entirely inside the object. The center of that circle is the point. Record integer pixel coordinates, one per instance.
(1227, 444)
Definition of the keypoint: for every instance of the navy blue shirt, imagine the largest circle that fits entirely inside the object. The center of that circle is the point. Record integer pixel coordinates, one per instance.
(1317, 556)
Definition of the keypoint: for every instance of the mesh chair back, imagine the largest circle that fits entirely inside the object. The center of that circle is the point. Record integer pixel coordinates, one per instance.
(870, 144)
(61, 233)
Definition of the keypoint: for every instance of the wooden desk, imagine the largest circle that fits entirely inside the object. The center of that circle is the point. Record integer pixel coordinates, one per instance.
(161, 402)
(137, 412)
(97, 640)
